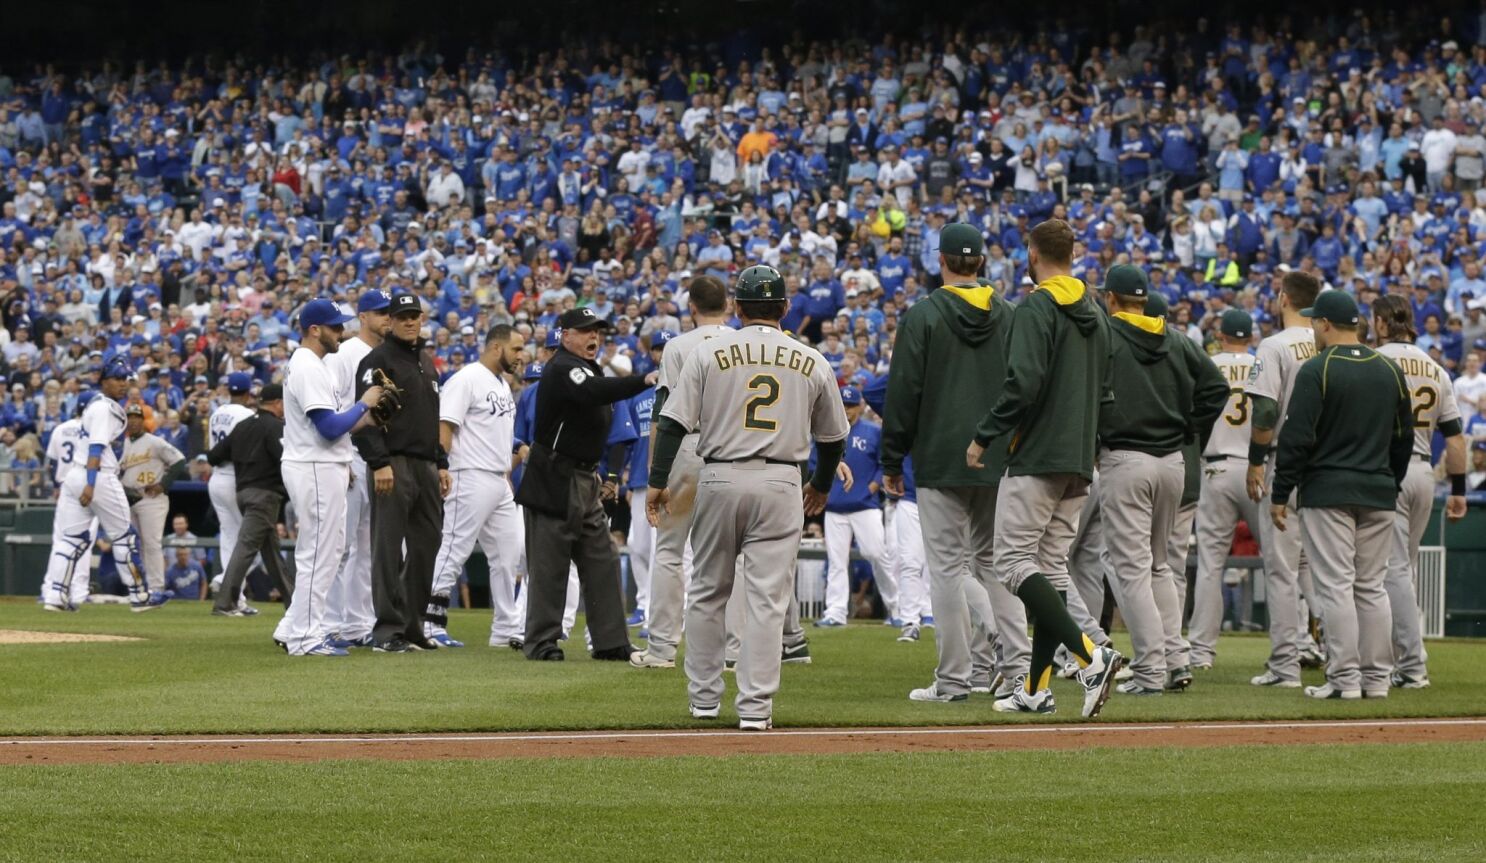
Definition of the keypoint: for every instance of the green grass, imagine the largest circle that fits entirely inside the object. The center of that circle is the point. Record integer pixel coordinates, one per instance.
(194, 673)
(1381, 803)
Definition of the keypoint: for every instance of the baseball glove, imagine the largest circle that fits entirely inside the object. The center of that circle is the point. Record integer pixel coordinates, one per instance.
(391, 401)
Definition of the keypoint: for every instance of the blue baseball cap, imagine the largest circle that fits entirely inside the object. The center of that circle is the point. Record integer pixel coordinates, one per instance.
(659, 339)
(373, 301)
(532, 372)
(83, 398)
(554, 338)
(851, 396)
(239, 383)
(322, 313)
(117, 367)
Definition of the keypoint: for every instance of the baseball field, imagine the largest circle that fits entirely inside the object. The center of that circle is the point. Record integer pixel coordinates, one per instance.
(190, 737)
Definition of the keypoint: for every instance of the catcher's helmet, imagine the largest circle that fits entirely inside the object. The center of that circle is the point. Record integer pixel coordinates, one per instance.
(82, 400)
(759, 283)
(117, 367)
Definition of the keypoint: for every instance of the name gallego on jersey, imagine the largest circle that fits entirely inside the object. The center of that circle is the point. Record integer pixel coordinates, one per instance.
(764, 355)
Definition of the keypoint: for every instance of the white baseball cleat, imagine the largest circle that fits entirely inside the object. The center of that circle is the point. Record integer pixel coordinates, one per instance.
(644, 659)
(763, 724)
(704, 712)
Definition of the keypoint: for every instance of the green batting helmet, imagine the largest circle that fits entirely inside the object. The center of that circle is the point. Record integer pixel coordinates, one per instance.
(759, 283)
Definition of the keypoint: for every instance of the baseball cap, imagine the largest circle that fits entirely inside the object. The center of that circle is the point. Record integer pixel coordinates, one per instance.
(851, 396)
(271, 393)
(203, 379)
(554, 338)
(659, 339)
(1155, 306)
(135, 409)
(323, 313)
(582, 319)
(960, 239)
(373, 301)
(239, 382)
(404, 303)
(1127, 280)
(1236, 324)
(532, 372)
(1337, 307)
(117, 367)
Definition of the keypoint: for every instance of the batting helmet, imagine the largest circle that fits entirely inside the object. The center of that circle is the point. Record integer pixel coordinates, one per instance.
(117, 367)
(759, 283)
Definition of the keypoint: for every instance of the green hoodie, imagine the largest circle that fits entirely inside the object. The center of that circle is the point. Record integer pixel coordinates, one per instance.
(949, 359)
(1167, 392)
(1056, 376)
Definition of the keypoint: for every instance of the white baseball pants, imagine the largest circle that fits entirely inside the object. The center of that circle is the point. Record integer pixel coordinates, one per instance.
(865, 526)
(348, 608)
(109, 511)
(641, 542)
(482, 508)
(318, 492)
(911, 573)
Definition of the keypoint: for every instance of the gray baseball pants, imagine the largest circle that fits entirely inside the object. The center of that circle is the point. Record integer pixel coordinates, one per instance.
(666, 613)
(1415, 500)
(970, 606)
(258, 534)
(1349, 547)
(1176, 557)
(1088, 564)
(1281, 551)
(1224, 503)
(1139, 495)
(1036, 520)
(753, 509)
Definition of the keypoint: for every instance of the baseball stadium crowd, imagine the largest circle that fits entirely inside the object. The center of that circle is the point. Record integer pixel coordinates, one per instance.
(181, 215)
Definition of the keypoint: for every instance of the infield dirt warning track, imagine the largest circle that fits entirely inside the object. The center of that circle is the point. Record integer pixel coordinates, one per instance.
(725, 741)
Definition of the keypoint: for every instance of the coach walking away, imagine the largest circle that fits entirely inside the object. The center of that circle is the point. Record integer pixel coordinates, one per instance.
(254, 450)
(410, 476)
(1346, 445)
(559, 494)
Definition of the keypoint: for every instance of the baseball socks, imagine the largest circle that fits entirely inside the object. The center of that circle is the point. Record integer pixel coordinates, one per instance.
(1052, 626)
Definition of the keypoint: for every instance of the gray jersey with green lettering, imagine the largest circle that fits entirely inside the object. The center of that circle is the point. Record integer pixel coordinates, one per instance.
(757, 393)
(1277, 364)
(1429, 388)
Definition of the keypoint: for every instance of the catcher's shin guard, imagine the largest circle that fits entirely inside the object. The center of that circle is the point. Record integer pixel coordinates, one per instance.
(73, 549)
(131, 565)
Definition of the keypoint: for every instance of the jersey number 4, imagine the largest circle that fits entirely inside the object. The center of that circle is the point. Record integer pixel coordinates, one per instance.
(764, 390)
(1425, 398)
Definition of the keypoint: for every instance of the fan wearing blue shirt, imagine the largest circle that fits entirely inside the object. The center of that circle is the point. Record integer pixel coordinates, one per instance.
(853, 512)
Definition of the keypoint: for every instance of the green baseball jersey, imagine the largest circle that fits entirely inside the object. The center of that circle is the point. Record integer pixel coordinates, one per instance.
(757, 393)
(1429, 388)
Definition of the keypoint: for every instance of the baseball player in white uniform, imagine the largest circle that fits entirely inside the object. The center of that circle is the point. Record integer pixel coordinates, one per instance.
(477, 418)
(221, 488)
(1435, 407)
(148, 469)
(317, 473)
(66, 451)
(1276, 366)
(95, 492)
(708, 302)
(1224, 501)
(757, 397)
(349, 616)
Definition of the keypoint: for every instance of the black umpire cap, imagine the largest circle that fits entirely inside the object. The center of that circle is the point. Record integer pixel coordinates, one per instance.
(271, 393)
(582, 319)
(404, 303)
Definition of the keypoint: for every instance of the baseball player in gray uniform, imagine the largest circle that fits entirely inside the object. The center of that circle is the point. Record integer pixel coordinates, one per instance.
(1224, 501)
(1434, 408)
(148, 469)
(1276, 366)
(709, 312)
(349, 616)
(477, 420)
(757, 397)
(317, 474)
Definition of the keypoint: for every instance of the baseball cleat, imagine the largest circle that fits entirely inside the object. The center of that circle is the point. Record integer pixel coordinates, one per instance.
(895, 622)
(909, 634)
(281, 645)
(644, 659)
(827, 623)
(1269, 678)
(1202, 665)
(1020, 702)
(763, 724)
(1130, 687)
(1178, 679)
(444, 639)
(622, 653)
(246, 610)
(927, 620)
(154, 601)
(798, 654)
(1405, 681)
(231, 612)
(47, 606)
(514, 643)
(1374, 693)
(931, 693)
(1327, 691)
(394, 645)
(348, 643)
(324, 648)
(1098, 679)
(636, 618)
(703, 712)
(1126, 673)
(981, 689)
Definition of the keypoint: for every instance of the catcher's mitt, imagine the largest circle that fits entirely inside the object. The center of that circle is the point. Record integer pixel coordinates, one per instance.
(391, 401)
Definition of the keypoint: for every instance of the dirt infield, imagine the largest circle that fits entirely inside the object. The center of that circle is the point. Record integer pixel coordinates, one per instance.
(27, 636)
(651, 744)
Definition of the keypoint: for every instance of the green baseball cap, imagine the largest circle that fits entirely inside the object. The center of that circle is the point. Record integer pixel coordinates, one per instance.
(1236, 324)
(1335, 306)
(1127, 280)
(1156, 306)
(960, 239)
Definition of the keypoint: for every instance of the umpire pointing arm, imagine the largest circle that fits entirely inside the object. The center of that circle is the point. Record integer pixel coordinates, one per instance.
(410, 477)
(560, 494)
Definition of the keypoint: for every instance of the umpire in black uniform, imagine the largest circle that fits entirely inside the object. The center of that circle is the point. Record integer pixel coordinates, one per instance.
(255, 449)
(560, 494)
(409, 473)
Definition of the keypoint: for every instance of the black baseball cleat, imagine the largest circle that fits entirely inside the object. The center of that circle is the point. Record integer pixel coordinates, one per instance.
(424, 644)
(550, 653)
(281, 645)
(615, 654)
(516, 643)
(394, 645)
(1178, 679)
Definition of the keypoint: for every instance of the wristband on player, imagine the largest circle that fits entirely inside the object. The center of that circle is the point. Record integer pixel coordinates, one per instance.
(1258, 454)
(1457, 484)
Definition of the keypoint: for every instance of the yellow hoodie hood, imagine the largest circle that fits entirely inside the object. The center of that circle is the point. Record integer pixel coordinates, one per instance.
(978, 296)
(1156, 326)
(1065, 290)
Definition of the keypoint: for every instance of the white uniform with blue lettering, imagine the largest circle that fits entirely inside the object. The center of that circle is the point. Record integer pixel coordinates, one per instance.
(221, 489)
(102, 423)
(317, 475)
(348, 612)
(67, 451)
(481, 506)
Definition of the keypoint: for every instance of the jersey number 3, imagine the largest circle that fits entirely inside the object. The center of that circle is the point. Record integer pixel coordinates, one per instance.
(764, 391)
(1240, 413)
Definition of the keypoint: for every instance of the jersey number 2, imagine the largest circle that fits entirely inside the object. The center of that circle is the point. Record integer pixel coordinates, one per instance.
(1425, 398)
(765, 392)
